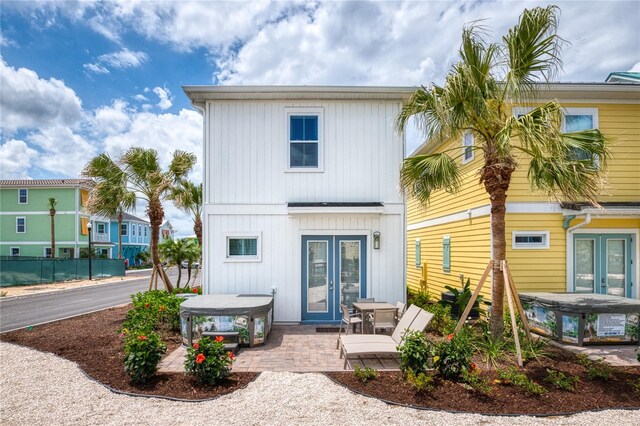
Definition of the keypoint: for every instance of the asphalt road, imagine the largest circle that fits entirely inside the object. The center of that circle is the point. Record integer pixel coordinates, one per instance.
(23, 311)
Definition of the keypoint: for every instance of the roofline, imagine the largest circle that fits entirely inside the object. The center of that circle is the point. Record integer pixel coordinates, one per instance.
(34, 185)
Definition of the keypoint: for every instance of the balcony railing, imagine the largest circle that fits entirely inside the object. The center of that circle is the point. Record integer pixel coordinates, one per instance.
(100, 238)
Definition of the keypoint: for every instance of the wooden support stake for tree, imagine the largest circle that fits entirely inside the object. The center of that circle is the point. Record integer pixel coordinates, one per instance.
(512, 314)
(153, 274)
(516, 297)
(474, 296)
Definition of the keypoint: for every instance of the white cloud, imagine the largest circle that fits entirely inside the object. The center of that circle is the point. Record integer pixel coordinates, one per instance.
(62, 151)
(165, 97)
(7, 42)
(16, 158)
(140, 98)
(114, 119)
(635, 68)
(122, 59)
(28, 101)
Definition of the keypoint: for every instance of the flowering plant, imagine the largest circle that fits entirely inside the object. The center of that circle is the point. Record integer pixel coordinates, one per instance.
(143, 350)
(208, 360)
(453, 356)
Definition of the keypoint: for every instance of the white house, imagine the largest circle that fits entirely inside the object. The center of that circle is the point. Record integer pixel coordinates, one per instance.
(302, 196)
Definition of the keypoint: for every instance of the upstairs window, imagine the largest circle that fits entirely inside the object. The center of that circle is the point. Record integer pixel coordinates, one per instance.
(133, 230)
(576, 120)
(23, 196)
(305, 134)
(100, 229)
(145, 231)
(123, 229)
(21, 225)
(467, 146)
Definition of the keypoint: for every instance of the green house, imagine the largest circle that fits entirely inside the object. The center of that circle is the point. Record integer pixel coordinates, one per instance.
(25, 220)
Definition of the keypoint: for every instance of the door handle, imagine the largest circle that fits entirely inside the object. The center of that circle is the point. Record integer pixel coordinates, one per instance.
(331, 285)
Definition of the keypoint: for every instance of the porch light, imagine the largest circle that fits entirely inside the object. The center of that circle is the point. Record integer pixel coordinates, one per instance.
(376, 240)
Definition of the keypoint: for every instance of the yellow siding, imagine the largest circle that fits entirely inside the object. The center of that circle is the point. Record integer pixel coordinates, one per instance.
(470, 253)
(538, 269)
(621, 124)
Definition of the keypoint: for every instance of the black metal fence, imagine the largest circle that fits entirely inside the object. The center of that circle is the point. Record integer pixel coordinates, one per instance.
(22, 270)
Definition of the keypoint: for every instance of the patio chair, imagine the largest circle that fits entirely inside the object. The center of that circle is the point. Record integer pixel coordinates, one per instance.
(348, 320)
(404, 324)
(390, 347)
(384, 319)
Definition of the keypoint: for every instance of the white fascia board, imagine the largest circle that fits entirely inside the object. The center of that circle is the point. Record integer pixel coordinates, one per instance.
(605, 211)
(335, 210)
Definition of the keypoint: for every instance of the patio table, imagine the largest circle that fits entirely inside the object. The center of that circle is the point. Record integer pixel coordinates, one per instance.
(369, 307)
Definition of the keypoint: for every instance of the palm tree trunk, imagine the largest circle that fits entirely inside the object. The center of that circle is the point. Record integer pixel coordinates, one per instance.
(120, 234)
(179, 274)
(156, 214)
(197, 229)
(52, 212)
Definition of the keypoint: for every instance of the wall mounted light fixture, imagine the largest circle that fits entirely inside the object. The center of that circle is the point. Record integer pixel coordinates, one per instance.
(376, 240)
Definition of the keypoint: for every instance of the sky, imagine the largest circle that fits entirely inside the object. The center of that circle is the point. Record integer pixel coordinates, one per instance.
(81, 78)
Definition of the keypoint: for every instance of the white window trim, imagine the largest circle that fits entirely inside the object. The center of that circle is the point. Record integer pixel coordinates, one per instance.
(25, 224)
(565, 111)
(464, 147)
(26, 202)
(242, 235)
(415, 245)
(11, 249)
(104, 228)
(521, 246)
(289, 111)
(126, 230)
(44, 251)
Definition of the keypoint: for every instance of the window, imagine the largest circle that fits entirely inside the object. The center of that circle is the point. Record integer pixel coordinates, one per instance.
(133, 230)
(104, 253)
(100, 228)
(305, 134)
(15, 251)
(530, 239)
(123, 230)
(145, 231)
(418, 254)
(21, 225)
(243, 247)
(140, 230)
(47, 252)
(467, 144)
(446, 253)
(23, 196)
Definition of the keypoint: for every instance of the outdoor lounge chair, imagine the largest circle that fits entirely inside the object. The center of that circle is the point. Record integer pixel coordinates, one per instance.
(348, 320)
(380, 344)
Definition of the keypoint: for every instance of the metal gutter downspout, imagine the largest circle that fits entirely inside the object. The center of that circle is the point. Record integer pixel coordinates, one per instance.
(587, 220)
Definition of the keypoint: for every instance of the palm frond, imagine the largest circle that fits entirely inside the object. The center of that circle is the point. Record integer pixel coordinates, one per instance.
(423, 174)
(181, 164)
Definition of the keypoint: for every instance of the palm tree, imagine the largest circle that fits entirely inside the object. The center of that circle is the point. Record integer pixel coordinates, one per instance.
(52, 212)
(111, 198)
(193, 252)
(174, 253)
(187, 196)
(477, 97)
(137, 171)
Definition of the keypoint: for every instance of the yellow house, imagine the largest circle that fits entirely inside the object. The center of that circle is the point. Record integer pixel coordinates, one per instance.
(551, 246)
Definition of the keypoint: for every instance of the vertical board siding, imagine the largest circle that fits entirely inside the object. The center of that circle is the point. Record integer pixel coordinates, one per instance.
(470, 252)
(248, 153)
(281, 264)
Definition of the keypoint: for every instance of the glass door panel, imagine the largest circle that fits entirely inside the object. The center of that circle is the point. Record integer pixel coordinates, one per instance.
(349, 272)
(616, 261)
(317, 276)
(585, 265)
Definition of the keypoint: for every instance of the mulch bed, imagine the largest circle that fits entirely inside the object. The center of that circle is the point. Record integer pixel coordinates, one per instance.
(616, 392)
(93, 343)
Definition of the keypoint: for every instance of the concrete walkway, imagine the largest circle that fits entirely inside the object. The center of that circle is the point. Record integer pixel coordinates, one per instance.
(296, 348)
(616, 355)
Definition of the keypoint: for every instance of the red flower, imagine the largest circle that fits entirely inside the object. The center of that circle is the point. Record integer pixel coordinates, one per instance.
(142, 337)
(219, 339)
(196, 346)
(146, 305)
(450, 337)
(473, 366)
(195, 290)
(161, 308)
(200, 359)
(231, 355)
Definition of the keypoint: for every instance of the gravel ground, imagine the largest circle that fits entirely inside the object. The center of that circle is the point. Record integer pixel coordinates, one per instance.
(41, 389)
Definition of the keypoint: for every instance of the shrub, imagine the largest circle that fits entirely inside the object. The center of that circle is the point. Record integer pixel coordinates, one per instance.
(635, 385)
(441, 323)
(453, 356)
(561, 380)
(208, 361)
(192, 290)
(416, 352)
(421, 382)
(365, 374)
(421, 299)
(477, 381)
(143, 350)
(156, 310)
(513, 377)
(491, 348)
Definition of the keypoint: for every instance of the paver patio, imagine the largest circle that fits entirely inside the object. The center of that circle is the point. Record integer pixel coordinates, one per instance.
(296, 348)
